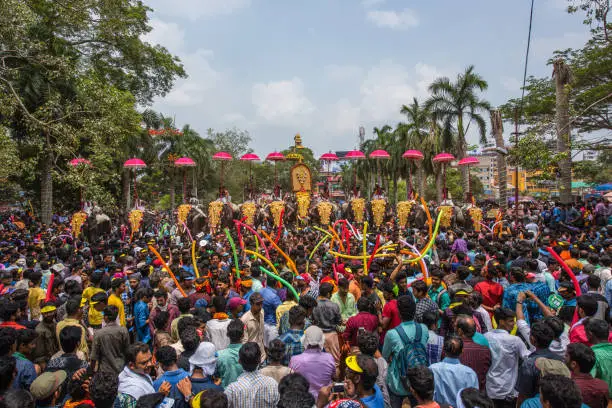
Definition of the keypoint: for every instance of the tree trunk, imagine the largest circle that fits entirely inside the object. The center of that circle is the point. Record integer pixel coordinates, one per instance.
(46, 187)
(461, 151)
(498, 133)
(172, 189)
(393, 197)
(563, 77)
(127, 193)
(439, 185)
(421, 180)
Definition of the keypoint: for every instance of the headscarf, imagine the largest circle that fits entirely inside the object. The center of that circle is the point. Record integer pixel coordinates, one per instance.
(313, 336)
(205, 357)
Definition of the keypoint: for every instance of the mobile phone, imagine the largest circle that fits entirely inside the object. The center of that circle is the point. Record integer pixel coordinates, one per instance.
(338, 388)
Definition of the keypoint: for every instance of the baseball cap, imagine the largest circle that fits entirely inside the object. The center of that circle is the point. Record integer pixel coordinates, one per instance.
(235, 302)
(47, 383)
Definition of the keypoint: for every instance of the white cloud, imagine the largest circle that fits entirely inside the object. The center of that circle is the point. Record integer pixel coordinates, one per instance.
(281, 102)
(396, 20)
(170, 35)
(371, 3)
(196, 9)
(510, 84)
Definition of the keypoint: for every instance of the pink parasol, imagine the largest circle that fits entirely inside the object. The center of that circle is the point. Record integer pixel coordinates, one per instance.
(444, 158)
(467, 162)
(412, 155)
(275, 157)
(250, 157)
(222, 157)
(133, 164)
(329, 157)
(379, 154)
(78, 161)
(355, 155)
(185, 162)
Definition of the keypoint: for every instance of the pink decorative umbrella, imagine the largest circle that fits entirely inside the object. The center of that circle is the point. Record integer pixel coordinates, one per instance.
(275, 157)
(222, 157)
(467, 162)
(444, 158)
(133, 164)
(413, 156)
(328, 157)
(184, 162)
(74, 163)
(355, 155)
(250, 157)
(379, 155)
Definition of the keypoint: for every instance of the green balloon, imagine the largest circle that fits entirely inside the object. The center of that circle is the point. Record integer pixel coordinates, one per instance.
(281, 280)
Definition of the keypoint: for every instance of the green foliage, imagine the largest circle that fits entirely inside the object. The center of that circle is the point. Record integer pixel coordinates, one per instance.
(596, 172)
(456, 190)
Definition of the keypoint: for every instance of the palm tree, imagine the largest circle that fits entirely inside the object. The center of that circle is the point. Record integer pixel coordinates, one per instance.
(412, 134)
(563, 77)
(497, 130)
(457, 104)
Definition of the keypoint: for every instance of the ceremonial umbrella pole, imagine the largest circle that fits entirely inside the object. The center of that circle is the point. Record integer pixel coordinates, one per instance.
(134, 164)
(468, 161)
(77, 163)
(250, 157)
(444, 158)
(183, 163)
(222, 157)
(275, 157)
(413, 156)
(355, 155)
(379, 155)
(328, 157)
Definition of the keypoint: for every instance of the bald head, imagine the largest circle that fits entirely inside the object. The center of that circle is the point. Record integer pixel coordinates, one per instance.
(465, 326)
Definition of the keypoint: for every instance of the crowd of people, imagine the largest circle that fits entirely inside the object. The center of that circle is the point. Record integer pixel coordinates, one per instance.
(487, 319)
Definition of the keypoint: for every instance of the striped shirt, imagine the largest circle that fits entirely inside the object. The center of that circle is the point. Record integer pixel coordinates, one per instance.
(253, 390)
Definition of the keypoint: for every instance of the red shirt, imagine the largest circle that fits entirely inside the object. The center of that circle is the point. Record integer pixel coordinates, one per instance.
(362, 319)
(13, 325)
(594, 391)
(391, 311)
(492, 292)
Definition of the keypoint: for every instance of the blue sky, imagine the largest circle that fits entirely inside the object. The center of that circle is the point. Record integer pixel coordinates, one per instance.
(325, 67)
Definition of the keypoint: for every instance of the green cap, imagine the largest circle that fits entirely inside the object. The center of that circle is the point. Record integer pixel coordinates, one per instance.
(47, 383)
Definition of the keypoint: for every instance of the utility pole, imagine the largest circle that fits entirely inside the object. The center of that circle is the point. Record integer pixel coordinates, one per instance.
(516, 167)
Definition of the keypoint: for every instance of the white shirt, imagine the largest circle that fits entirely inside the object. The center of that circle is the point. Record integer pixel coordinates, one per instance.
(486, 317)
(506, 350)
(216, 333)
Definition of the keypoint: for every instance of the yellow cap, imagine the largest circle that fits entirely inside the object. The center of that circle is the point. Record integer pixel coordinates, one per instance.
(351, 362)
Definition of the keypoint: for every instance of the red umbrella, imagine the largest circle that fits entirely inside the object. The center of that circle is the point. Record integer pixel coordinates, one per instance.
(250, 157)
(184, 162)
(133, 164)
(275, 157)
(467, 162)
(444, 158)
(222, 157)
(412, 155)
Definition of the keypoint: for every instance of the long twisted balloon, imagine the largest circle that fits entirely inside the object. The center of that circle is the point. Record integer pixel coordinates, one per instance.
(233, 245)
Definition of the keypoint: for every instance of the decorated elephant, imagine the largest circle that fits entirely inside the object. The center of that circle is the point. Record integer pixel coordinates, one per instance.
(453, 215)
(323, 212)
(411, 214)
(355, 210)
(252, 212)
(222, 215)
(98, 225)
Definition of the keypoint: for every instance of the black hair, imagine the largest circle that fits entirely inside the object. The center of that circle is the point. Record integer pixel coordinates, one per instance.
(25, 336)
(73, 288)
(389, 286)
(235, 331)
(588, 304)
(189, 338)
(213, 399)
(17, 398)
(150, 400)
(556, 324)
(594, 281)
(111, 312)
(453, 346)
(598, 328)
(8, 335)
(583, 355)
(370, 370)
(466, 324)
(103, 389)
(161, 320)
(297, 315)
(542, 334)
(560, 391)
(326, 289)
(343, 283)
(166, 356)
(9, 310)
(429, 318)
(364, 304)
(276, 350)
(294, 382)
(473, 398)
(133, 350)
(503, 313)
(219, 303)
(406, 307)
(419, 285)
(70, 338)
(185, 322)
(368, 343)
(249, 356)
(421, 380)
(296, 399)
(73, 305)
(145, 292)
(8, 365)
(307, 302)
(183, 305)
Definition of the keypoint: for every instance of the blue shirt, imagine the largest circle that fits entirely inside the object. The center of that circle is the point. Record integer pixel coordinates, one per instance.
(26, 372)
(450, 377)
(531, 309)
(270, 302)
(173, 377)
(141, 315)
(535, 403)
(375, 400)
(246, 297)
(479, 338)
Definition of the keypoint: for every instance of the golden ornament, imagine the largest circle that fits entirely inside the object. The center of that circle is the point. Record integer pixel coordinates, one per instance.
(135, 218)
(303, 202)
(476, 214)
(325, 209)
(248, 210)
(182, 212)
(214, 213)
(378, 211)
(77, 221)
(358, 206)
(403, 211)
(276, 208)
(447, 215)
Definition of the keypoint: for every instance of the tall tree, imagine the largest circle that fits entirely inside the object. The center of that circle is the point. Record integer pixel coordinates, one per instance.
(497, 131)
(412, 135)
(563, 77)
(458, 104)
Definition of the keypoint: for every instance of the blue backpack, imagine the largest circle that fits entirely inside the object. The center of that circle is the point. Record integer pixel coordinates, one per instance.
(413, 354)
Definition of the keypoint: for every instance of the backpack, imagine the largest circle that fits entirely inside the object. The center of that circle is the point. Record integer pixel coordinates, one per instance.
(413, 354)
